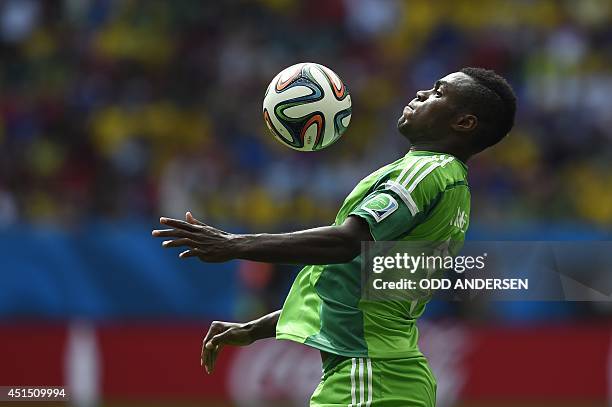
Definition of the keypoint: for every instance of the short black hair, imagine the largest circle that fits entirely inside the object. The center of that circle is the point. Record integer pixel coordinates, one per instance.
(492, 100)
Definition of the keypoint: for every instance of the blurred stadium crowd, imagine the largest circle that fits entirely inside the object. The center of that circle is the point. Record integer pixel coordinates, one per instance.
(130, 109)
(114, 112)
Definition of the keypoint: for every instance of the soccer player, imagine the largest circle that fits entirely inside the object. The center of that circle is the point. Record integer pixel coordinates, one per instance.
(369, 350)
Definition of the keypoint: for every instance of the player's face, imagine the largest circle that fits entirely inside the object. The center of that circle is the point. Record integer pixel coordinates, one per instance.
(429, 115)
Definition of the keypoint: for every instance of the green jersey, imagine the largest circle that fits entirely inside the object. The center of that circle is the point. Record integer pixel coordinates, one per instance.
(423, 196)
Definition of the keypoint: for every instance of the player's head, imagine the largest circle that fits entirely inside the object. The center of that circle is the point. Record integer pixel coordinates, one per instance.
(468, 111)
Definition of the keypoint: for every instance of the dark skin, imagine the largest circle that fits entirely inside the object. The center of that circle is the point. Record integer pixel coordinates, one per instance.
(323, 245)
(432, 121)
(435, 121)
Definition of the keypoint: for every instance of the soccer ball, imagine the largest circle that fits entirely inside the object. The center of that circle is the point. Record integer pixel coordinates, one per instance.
(307, 107)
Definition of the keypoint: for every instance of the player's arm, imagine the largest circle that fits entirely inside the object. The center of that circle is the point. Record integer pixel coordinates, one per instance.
(238, 334)
(322, 245)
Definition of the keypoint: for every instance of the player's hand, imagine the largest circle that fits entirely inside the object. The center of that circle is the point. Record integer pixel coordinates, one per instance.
(220, 334)
(203, 241)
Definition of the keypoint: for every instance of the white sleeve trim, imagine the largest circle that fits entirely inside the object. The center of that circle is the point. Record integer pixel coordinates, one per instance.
(427, 171)
(404, 194)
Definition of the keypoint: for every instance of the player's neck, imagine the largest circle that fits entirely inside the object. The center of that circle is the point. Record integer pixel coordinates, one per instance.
(439, 147)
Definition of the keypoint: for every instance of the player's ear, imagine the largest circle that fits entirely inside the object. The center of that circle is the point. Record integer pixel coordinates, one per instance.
(465, 122)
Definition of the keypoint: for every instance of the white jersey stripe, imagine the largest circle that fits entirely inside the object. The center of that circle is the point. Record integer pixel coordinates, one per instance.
(369, 383)
(427, 171)
(404, 195)
(420, 164)
(353, 395)
(411, 165)
(406, 168)
(361, 387)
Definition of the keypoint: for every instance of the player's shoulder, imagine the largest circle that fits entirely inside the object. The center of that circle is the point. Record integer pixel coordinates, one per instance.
(427, 171)
(423, 176)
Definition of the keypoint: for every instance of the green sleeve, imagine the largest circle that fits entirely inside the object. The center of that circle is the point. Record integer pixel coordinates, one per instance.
(393, 211)
(387, 214)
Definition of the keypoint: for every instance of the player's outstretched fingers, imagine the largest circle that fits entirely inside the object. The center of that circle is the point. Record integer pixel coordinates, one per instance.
(171, 233)
(191, 253)
(215, 353)
(179, 224)
(215, 345)
(205, 356)
(179, 242)
(210, 353)
(214, 329)
(211, 348)
(189, 217)
(208, 350)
